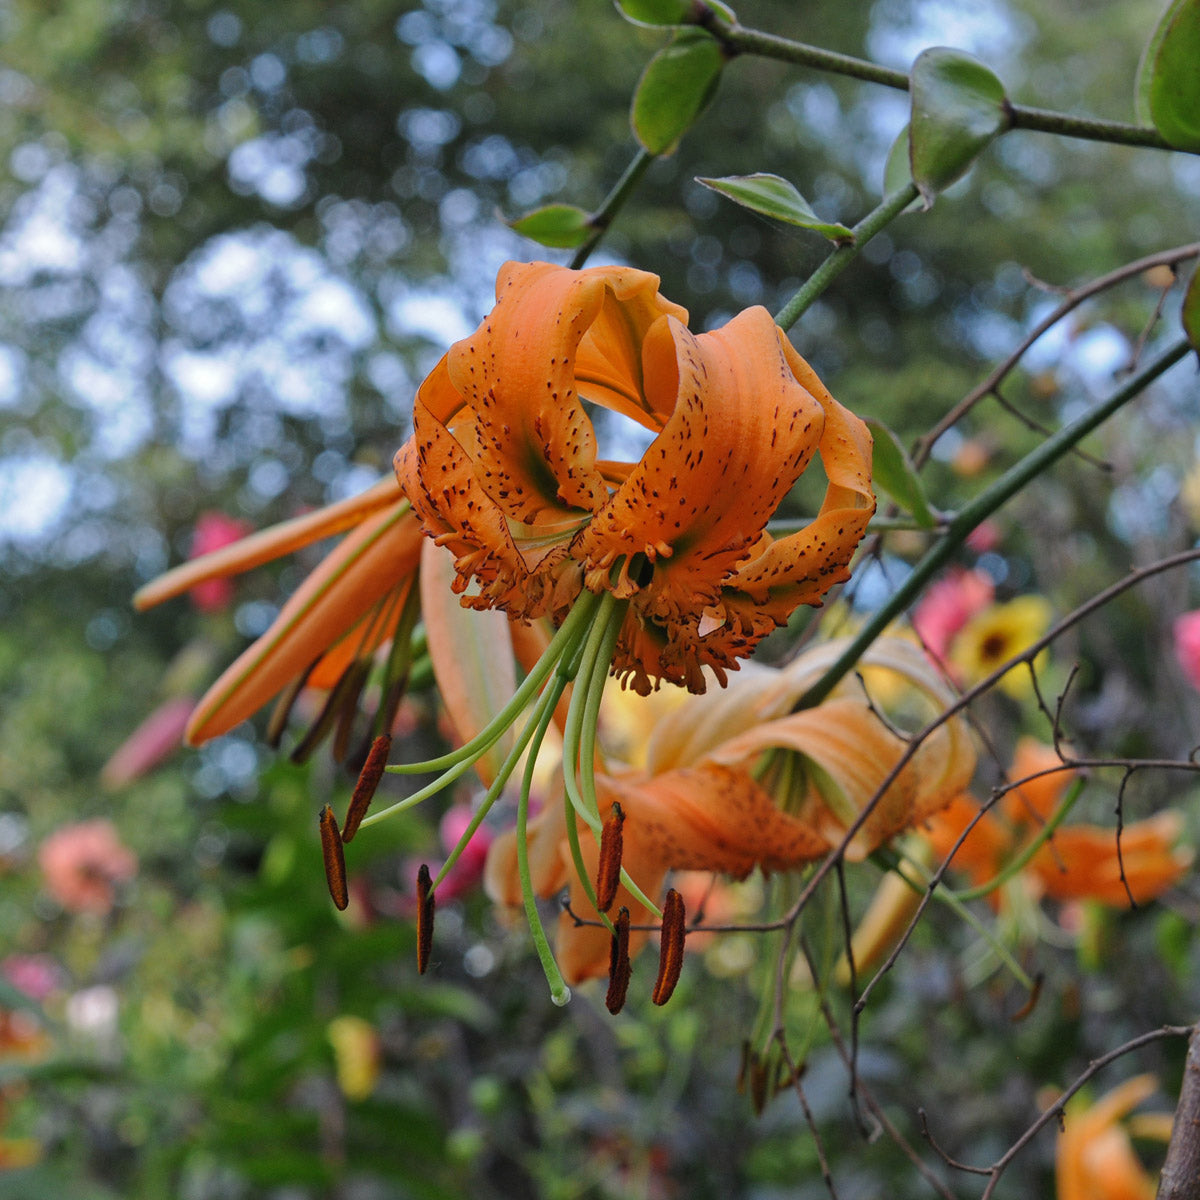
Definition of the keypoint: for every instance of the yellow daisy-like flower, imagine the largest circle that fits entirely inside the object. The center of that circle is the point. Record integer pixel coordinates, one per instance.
(997, 634)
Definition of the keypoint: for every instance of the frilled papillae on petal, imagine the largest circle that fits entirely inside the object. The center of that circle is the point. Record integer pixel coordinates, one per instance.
(503, 468)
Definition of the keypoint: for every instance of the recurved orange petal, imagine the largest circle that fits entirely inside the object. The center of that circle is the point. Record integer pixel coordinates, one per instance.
(800, 568)
(1046, 779)
(1094, 1159)
(357, 574)
(986, 847)
(706, 818)
(1081, 861)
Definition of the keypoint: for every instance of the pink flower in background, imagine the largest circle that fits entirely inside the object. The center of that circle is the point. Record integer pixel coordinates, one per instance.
(468, 871)
(153, 741)
(214, 531)
(1187, 645)
(82, 862)
(37, 975)
(948, 605)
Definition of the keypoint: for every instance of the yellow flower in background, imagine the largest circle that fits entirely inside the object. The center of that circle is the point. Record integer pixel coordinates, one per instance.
(995, 635)
(1095, 1159)
(355, 1054)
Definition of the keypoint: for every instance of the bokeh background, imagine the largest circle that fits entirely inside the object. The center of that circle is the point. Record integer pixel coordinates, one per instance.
(233, 238)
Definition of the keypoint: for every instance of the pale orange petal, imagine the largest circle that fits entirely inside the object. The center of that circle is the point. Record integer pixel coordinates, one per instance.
(373, 560)
(269, 544)
(472, 657)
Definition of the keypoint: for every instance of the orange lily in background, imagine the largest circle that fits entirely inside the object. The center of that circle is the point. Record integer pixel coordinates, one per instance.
(1094, 1159)
(503, 468)
(336, 621)
(699, 803)
(1078, 862)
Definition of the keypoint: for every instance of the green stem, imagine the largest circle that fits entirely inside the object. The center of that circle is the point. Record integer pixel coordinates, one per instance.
(560, 645)
(767, 45)
(954, 901)
(602, 218)
(559, 992)
(1021, 861)
(507, 767)
(972, 515)
(843, 256)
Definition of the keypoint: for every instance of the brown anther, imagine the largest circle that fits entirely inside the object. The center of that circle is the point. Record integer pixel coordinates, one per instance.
(670, 951)
(425, 903)
(608, 873)
(283, 706)
(335, 859)
(364, 789)
(619, 967)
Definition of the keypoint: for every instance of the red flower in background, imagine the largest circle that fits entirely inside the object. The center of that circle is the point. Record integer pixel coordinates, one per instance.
(214, 531)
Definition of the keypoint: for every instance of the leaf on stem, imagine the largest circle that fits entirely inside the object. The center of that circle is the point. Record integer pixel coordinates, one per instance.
(892, 470)
(776, 198)
(958, 107)
(897, 172)
(1168, 80)
(560, 226)
(655, 12)
(675, 87)
(674, 12)
(1191, 311)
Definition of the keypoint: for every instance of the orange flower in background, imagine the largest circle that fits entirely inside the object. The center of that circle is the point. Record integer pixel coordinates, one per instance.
(331, 628)
(698, 805)
(1078, 862)
(83, 863)
(503, 468)
(1095, 1159)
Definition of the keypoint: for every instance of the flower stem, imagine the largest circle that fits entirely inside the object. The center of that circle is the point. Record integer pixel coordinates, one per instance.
(507, 767)
(768, 45)
(560, 645)
(954, 901)
(559, 992)
(602, 218)
(973, 513)
(1014, 865)
(876, 220)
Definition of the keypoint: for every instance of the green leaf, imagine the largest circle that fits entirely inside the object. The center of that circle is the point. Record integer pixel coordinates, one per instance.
(562, 226)
(892, 470)
(1191, 311)
(897, 172)
(775, 197)
(655, 12)
(958, 107)
(675, 87)
(1168, 81)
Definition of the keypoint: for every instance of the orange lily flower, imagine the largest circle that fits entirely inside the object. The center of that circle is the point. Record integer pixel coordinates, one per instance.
(1095, 1158)
(335, 622)
(697, 804)
(503, 468)
(1078, 862)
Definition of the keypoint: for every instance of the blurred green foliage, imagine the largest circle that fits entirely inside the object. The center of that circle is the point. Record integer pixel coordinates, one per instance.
(180, 180)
